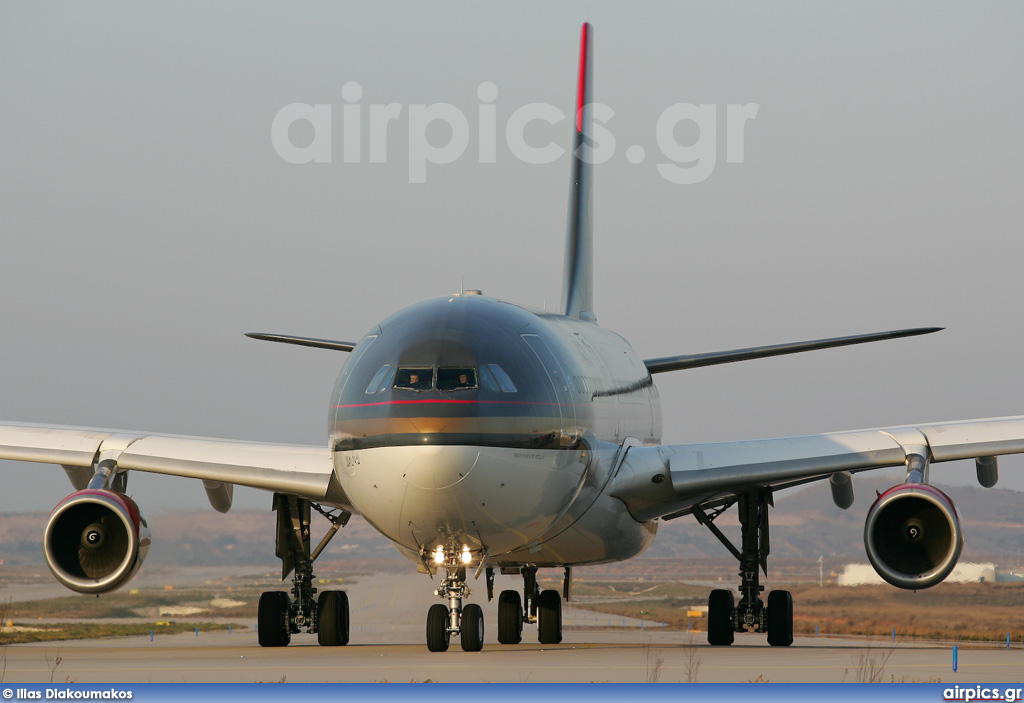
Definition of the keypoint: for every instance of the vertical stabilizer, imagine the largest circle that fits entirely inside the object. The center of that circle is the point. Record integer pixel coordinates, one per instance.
(578, 279)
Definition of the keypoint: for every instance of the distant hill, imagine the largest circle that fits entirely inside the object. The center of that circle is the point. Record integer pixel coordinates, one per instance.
(804, 525)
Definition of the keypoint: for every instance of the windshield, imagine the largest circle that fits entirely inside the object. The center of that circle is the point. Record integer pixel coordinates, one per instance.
(415, 378)
(455, 378)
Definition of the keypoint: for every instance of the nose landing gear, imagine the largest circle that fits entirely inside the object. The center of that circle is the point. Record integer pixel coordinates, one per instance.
(444, 621)
(514, 610)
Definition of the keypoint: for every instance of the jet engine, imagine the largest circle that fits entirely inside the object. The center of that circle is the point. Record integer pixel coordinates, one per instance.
(95, 541)
(913, 536)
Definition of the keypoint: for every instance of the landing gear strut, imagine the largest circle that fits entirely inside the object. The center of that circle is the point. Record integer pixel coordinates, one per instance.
(454, 619)
(725, 618)
(280, 615)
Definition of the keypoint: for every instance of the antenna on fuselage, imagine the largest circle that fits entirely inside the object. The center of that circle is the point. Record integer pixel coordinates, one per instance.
(578, 279)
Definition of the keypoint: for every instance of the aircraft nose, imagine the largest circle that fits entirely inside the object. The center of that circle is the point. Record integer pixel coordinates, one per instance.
(434, 467)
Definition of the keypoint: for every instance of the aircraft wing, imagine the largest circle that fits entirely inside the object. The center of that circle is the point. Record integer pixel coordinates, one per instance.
(303, 471)
(670, 480)
(695, 361)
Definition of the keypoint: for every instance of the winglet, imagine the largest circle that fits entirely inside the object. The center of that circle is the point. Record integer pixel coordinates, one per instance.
(578, 279)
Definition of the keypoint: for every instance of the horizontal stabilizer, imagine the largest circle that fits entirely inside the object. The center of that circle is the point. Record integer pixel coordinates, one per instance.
(303, 341)
(693, 361)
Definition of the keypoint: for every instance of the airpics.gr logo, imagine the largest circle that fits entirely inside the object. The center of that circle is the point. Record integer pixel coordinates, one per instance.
(981, 693)
(365, 130)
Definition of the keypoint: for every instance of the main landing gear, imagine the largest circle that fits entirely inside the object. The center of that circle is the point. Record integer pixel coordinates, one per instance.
(280, 615)
(724, 617)
(541, 607)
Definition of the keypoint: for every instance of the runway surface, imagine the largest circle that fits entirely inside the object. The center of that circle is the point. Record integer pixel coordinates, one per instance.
(388, 616)
(612, 656)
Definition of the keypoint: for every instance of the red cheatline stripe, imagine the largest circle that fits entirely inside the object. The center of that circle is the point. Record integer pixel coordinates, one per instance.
(449, 402)
(581, 83)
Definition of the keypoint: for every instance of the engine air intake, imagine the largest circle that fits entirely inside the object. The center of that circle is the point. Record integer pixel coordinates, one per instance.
(95, 541)
(913, 536)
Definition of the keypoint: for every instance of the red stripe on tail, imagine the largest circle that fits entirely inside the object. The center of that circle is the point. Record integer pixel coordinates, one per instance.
(582, 82)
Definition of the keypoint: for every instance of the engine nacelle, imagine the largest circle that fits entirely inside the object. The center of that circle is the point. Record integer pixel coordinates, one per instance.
(95, 541)
(913, 536)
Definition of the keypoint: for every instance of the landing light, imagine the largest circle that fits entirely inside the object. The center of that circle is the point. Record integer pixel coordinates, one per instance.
(466, 556)
(439, 555)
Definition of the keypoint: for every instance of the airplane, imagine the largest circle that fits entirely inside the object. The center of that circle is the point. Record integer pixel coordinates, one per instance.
(484, 437)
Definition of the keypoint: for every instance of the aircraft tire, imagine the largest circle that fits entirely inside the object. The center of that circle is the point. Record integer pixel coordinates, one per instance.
(510, 618)
(437, 628)
(471, 628)
(549, 617)
(332, 618)
(780, 618)
(720, 606)
(272, 619)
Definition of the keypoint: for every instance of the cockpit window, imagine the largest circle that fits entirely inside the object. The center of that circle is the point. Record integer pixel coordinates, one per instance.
(453, 378)
(415, 378)
(378, 377)
(449, 378)
(487, 379)
(504, 382)
(389, 377)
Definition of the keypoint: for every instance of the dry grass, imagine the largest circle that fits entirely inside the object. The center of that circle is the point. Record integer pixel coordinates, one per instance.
(692, 659)
(6, 611)
(81, 631)
(638, 589)
(653, 661)
(956, 611)
(869, 664)
(671, 611)
(966, 612)
(125, 604)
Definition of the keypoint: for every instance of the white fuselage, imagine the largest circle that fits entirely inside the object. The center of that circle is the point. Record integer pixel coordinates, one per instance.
(513, 460)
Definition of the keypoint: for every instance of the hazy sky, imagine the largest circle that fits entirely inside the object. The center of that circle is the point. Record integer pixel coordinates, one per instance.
(147, 221)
